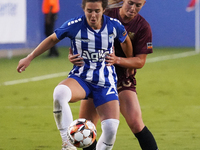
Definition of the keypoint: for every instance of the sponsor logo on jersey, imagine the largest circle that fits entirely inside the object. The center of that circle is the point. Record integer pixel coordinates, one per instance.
(149, 45)
(111, 37)
(131, 35)
(124, 33)
(95, 56)
(85, 40)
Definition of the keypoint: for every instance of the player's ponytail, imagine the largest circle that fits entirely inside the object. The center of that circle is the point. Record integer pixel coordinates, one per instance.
(115, 3)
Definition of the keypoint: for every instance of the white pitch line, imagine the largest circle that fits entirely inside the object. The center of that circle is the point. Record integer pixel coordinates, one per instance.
(38, 78)
(168, 57)
(49, 76)
(32, 107)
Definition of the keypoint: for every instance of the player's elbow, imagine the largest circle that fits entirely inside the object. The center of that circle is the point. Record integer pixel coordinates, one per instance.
(140, 61)
(140, 64)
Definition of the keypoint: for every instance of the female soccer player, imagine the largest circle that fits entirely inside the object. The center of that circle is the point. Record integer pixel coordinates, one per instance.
(139, 31)
(92, 35)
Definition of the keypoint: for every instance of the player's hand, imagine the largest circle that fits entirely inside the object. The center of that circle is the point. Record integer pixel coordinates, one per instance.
(129, 71)
(111, 59)
(23, 64)
(75, 59)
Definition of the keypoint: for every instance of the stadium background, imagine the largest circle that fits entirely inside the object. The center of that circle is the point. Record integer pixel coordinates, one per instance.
(171, 24)
(168, 85)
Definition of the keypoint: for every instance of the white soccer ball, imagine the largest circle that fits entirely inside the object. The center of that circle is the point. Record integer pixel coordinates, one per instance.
(81, 133)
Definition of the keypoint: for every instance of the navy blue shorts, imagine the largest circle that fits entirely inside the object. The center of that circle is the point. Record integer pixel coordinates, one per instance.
(101, 95)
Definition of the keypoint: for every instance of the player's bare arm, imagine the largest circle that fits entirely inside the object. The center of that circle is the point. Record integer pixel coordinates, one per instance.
(136, 62)
(130, 63)
(41, 48)
(127, 47)
(44, 45)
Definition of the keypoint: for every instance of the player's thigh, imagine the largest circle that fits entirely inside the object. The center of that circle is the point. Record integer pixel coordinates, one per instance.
(88, 111)
(109, 110)
(77, 90)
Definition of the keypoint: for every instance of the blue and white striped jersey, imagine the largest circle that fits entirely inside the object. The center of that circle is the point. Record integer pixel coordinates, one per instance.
(93, 46)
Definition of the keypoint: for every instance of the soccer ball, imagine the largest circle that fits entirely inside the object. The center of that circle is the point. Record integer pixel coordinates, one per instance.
(81, 133)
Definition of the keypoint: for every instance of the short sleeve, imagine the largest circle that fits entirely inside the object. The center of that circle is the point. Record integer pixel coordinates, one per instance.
(121, 31)
(62, 31)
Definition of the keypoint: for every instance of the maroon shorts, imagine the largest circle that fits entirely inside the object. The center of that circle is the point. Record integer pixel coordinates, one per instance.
(126, 83)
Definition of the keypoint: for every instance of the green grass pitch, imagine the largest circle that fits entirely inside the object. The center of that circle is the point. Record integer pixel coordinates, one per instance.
(168, 91)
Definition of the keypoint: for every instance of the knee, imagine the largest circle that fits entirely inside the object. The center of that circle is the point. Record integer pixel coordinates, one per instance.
(110, 126)
(62, 92)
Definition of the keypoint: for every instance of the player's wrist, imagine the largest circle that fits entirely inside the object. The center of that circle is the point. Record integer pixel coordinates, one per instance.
(118, 60)
(30, 56)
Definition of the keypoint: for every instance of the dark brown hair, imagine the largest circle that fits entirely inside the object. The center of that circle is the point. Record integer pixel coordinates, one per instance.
(104, 3)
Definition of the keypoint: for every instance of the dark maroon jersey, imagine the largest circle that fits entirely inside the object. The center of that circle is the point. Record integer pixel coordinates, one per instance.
(140, 34)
